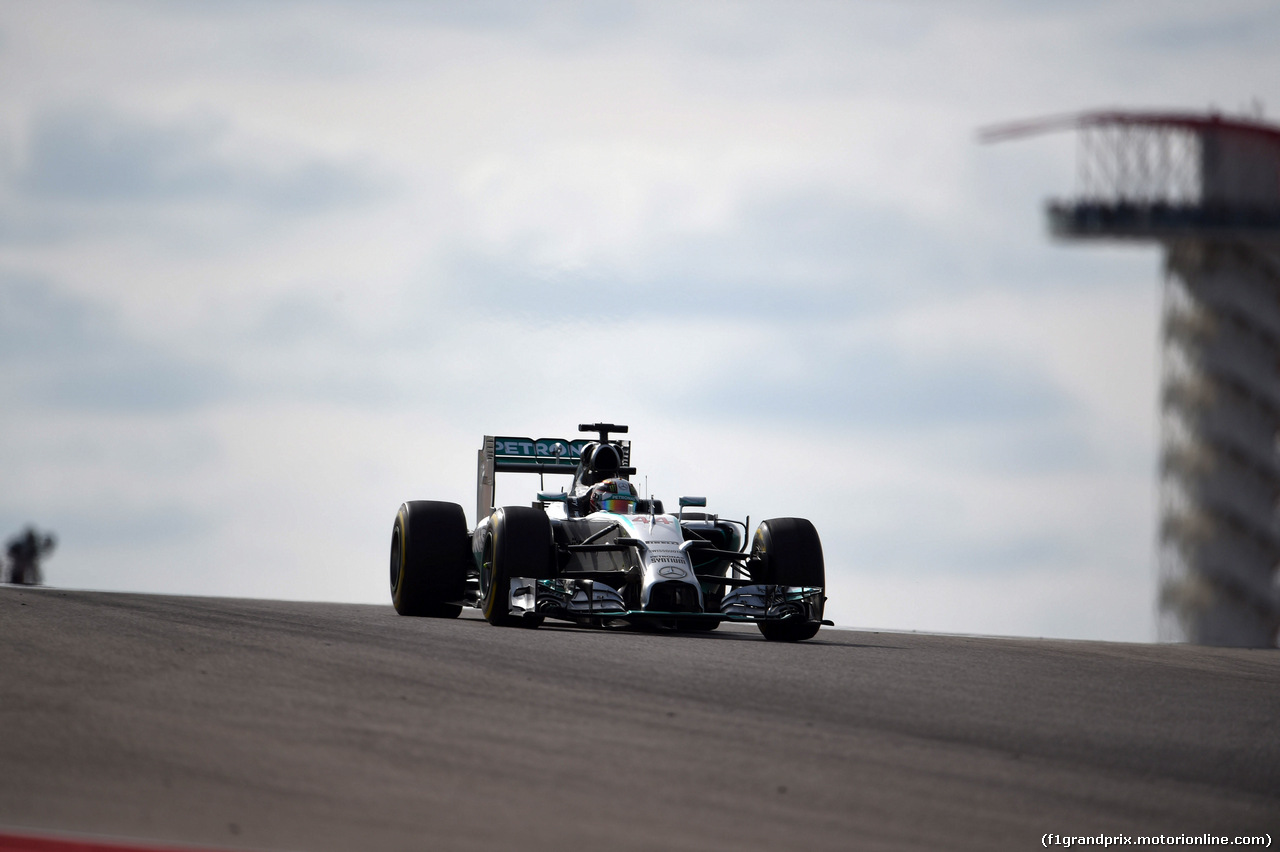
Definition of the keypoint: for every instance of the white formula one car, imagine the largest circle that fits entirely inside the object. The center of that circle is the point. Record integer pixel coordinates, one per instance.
(614, 559)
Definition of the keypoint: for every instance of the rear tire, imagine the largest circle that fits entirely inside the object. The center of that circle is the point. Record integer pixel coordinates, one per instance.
(520, 544)
(430, 549)
(788, 552)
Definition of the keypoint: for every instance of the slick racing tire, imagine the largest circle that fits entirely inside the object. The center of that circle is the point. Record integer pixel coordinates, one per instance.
(430, 549)
(787, 552)
(519, 544)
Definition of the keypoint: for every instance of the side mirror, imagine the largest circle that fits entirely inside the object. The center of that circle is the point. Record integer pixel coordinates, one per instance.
(553, 496)
(690, 501)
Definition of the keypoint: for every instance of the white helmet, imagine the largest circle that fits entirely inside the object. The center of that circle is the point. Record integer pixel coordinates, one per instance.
(614, 495)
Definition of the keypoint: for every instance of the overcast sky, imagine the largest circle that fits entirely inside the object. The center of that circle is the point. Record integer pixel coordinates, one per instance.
(269, 269)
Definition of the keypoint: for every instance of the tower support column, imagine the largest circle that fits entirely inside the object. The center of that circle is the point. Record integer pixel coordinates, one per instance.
(1219, 468)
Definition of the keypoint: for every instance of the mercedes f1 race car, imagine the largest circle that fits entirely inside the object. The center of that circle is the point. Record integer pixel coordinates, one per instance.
(614, 559)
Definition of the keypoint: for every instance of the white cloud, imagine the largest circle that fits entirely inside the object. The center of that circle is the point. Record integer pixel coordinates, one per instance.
(280, 267)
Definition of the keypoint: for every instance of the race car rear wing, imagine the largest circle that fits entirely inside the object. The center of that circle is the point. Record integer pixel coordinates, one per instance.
(527, 455)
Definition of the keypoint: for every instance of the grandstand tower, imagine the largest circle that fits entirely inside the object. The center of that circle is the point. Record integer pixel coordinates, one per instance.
(1207, 189)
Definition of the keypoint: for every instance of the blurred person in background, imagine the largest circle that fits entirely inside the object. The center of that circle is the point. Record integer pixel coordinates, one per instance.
(25, 550)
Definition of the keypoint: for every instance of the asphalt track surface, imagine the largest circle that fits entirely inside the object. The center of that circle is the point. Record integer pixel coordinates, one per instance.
(240, 724)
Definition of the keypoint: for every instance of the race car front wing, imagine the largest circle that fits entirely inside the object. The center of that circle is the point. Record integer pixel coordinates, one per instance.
(590, 600)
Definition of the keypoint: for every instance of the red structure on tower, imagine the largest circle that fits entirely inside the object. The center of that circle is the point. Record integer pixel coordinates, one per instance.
(1206, 188)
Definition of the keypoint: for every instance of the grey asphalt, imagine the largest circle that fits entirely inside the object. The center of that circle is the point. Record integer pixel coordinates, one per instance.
(246, 724)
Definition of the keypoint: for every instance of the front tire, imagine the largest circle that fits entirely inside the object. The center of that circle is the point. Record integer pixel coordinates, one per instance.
(788, 552)
(430, 550)
(520, 544)
(789, 632)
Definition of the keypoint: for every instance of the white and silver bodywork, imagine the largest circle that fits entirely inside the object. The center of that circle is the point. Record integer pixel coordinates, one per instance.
(656, 554)
(627, 567)
(661, 556)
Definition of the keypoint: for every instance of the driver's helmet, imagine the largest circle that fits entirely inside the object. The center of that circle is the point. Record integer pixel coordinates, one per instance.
(614, 495)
